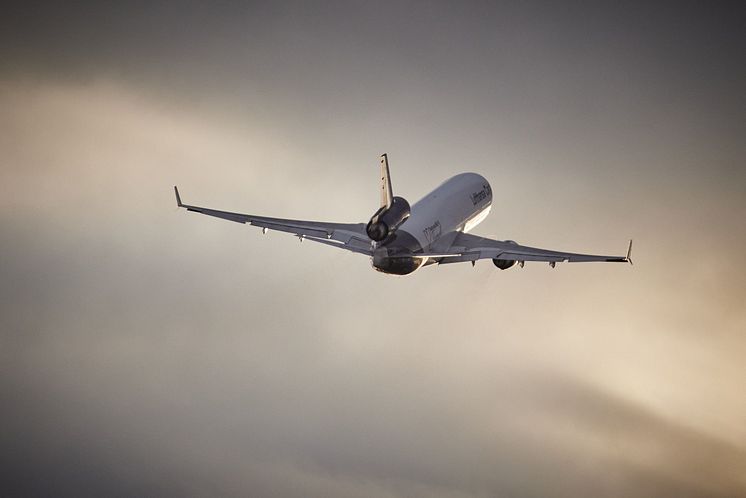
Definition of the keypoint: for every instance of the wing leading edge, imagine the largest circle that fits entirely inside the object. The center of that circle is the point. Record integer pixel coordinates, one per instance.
(349, 236)
(467, 247)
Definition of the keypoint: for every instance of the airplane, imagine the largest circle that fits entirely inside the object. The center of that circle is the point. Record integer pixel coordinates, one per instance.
(400, 239)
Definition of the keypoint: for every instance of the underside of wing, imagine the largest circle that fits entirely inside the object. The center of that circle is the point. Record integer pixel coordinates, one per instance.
(467, 247)
(349, 236)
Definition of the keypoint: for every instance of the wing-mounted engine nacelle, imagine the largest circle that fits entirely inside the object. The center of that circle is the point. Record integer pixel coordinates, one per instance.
(504, 264)
(387, 219)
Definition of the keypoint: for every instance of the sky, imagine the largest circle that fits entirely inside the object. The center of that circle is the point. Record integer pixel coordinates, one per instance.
(147, 351)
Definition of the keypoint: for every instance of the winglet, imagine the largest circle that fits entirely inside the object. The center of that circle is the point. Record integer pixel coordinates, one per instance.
(629, 252)
(178, 197)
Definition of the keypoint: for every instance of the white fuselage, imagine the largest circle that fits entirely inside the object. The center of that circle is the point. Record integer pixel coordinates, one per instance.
(457, 205)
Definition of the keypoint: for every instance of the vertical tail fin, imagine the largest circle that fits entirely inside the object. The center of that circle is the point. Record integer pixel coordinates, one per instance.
(386, 193)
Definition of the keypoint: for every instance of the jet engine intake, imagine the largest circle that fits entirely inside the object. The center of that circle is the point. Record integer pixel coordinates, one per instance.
(503, 264)
(387, 219)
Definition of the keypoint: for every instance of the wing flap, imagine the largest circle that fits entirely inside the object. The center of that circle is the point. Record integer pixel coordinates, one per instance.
(291, 228)
(350, 236)
(350, 247)
(467, 247)
(237, 217)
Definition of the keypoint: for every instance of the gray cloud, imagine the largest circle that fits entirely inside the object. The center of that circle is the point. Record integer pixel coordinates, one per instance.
(146, 351)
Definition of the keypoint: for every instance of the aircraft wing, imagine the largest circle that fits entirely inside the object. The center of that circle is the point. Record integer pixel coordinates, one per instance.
(467, 247)
(350, 236)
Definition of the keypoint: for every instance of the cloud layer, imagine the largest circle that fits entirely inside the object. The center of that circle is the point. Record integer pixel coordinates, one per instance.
(146, 351)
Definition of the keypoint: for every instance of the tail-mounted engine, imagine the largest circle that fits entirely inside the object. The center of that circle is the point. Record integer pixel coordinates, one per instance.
(387, 219)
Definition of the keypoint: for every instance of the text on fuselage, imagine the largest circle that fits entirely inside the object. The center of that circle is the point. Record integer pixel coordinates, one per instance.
(432, 232)
(480, 196)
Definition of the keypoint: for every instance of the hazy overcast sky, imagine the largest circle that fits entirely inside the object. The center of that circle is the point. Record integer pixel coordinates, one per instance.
(146, 351)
